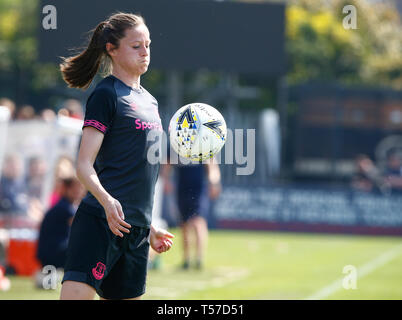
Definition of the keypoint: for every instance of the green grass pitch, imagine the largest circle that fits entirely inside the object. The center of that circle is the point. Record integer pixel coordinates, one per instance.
(269, 265)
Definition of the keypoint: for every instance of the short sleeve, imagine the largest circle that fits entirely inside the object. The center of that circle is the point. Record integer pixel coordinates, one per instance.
(100, 109)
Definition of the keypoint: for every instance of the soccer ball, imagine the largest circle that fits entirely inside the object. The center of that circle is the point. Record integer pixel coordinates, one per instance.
(197, 131)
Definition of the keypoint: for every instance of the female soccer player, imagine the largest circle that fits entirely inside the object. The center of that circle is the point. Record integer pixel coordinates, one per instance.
(112, 231)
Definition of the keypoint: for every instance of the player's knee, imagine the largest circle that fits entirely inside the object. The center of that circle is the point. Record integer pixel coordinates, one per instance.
(73, 290)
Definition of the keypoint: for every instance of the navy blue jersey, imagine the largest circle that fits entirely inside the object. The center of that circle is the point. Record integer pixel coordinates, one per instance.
(125, 116)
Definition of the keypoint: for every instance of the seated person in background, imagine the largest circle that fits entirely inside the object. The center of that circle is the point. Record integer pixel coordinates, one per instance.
(55, 227)
(64, 168)
(367, 177)
(25, 112)
(48, 115)
(13, 198)
(35, 176)
(10, 105)
(393, 172)
(34, 180)
(74, 108)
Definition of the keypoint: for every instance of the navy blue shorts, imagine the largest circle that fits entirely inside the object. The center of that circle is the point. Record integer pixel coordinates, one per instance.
(192, 203)
(115, 267)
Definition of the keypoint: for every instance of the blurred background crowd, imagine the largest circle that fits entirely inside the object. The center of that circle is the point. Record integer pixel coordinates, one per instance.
(23, 176)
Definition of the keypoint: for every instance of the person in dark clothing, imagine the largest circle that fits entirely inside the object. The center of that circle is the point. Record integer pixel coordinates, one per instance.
(55, 227)
(197, 184)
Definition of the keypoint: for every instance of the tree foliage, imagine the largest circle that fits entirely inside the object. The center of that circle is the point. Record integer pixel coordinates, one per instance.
(321, 49)
(18, 43)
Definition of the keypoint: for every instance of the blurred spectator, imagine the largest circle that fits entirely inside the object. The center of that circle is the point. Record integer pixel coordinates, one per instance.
(48, 115)
(26, 112)
(74, 108)
(63, 112)
(367, 178)
(13, 198)
(393, 171)
(35, 177)
(5, 102)
(34, 180)
(64, 169)
(55, 227)
(35, 210)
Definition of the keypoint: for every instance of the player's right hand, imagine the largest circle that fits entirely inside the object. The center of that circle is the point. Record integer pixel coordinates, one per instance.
(115, 217)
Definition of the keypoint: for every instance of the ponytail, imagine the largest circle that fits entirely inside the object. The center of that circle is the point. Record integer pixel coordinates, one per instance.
(78, 71)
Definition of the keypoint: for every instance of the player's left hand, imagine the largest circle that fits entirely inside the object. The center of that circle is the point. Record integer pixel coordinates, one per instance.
(160, 240)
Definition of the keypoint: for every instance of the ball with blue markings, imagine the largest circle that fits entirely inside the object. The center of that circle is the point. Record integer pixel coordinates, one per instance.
(197, 131)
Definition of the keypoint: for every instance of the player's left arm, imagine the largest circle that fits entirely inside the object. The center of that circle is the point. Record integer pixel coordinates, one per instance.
(160, 239)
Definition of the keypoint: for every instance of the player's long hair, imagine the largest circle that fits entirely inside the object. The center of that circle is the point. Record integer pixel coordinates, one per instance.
(78, 71)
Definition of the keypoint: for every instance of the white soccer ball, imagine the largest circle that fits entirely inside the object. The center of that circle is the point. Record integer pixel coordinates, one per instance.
(197, 131)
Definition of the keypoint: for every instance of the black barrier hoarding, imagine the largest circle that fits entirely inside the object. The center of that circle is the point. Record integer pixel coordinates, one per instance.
(186, 35)
(309, 209)
(334, 124)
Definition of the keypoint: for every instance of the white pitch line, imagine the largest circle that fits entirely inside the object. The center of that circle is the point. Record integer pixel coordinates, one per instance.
(361, 272)
(225, 277)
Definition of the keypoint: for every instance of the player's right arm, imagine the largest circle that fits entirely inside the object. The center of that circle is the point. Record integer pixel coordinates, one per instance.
(214, 178)
(90, 144)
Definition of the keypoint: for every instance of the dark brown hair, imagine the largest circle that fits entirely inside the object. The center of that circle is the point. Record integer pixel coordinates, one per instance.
(78, 71)
(69, 181)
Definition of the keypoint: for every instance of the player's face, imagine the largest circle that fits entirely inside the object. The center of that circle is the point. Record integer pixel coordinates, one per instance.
(133, 53)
